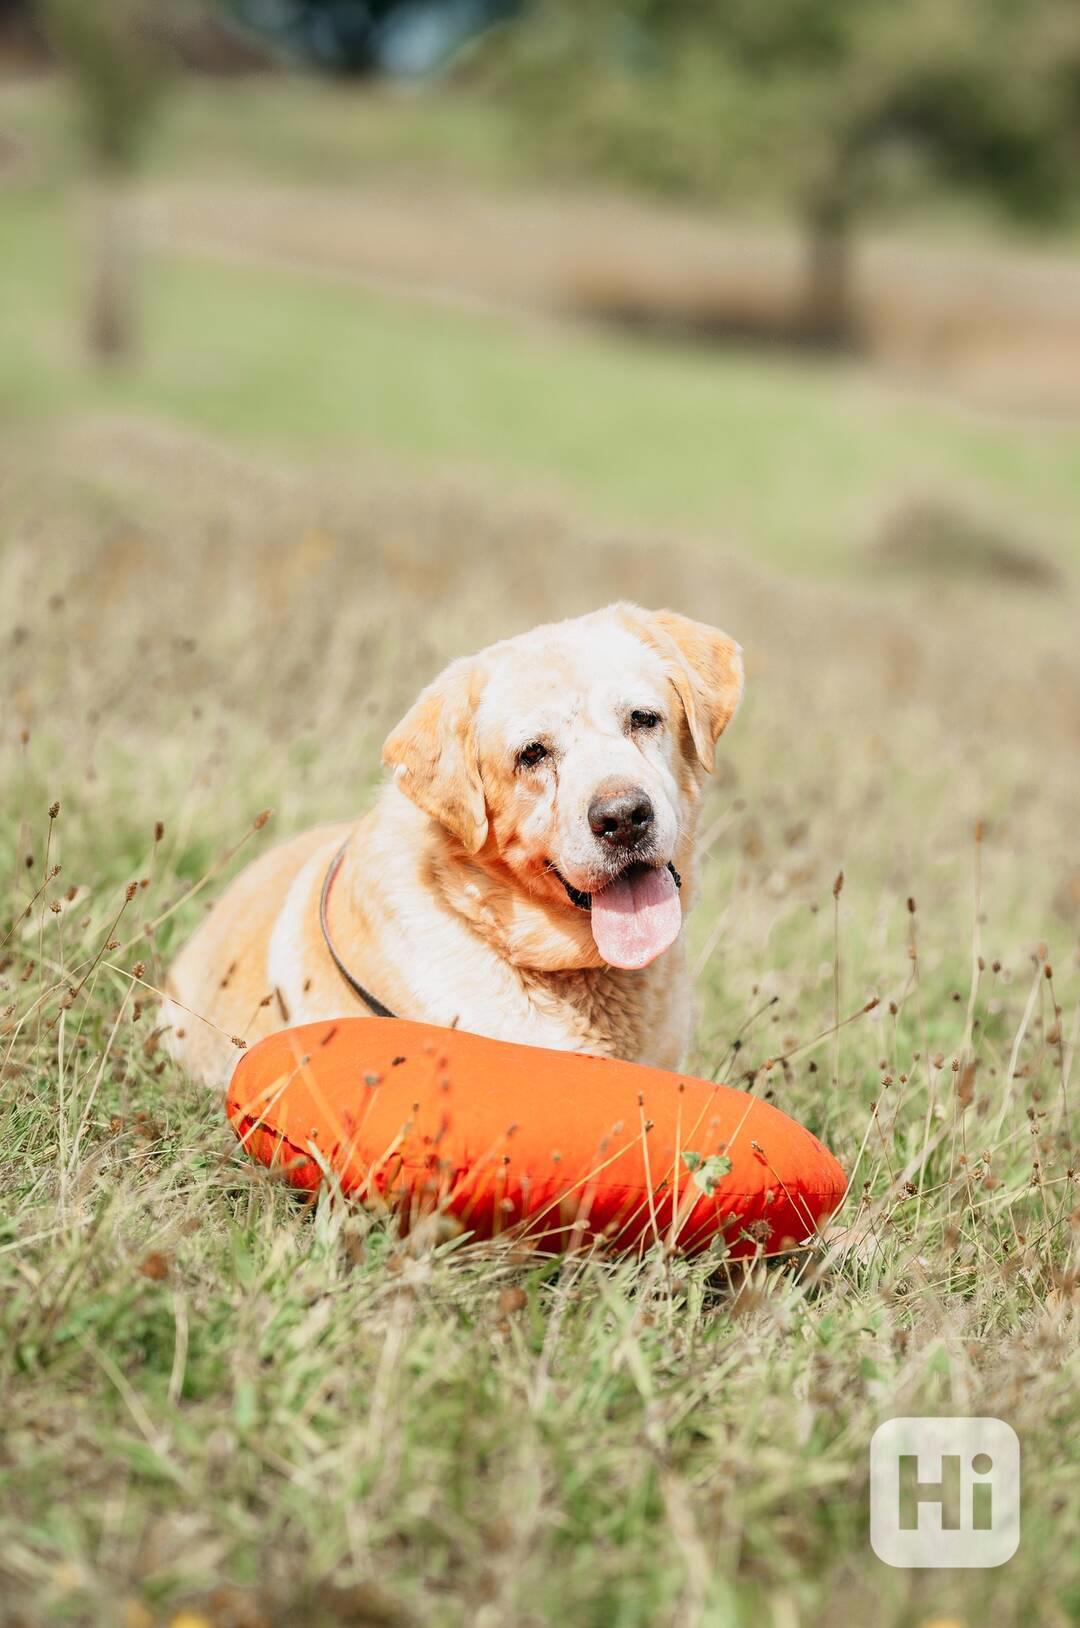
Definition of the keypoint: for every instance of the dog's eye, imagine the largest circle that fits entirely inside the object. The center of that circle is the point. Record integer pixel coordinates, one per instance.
(642, 719)
(531, 755)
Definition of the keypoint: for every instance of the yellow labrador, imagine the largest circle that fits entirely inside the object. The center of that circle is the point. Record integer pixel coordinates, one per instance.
(524, 874)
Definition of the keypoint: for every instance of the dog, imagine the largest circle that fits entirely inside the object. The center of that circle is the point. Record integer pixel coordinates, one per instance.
(523, 874)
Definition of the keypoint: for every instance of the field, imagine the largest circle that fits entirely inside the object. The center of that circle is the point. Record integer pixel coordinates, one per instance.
(223, 575)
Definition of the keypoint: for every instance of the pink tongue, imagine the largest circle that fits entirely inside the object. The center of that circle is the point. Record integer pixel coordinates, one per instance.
(636, 918)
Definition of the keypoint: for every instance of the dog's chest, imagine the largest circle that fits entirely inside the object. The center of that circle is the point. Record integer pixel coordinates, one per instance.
(641, 1016)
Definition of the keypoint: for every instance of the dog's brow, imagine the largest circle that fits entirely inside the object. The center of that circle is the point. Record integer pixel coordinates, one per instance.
(546, 724)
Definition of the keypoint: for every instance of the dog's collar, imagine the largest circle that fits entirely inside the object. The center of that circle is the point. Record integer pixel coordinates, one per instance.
(354, 984)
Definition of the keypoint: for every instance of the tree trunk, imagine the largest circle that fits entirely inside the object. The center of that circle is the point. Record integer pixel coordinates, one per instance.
(828, 314)
(111, 313)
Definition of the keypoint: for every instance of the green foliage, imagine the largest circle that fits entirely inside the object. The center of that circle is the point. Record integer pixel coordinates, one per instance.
(807, 100)
(707, 1173)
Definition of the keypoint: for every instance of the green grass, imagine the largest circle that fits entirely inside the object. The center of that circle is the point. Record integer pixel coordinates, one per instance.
(216, 1401)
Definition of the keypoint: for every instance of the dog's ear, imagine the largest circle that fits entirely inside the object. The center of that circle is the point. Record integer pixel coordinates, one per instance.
(434, 756)
(706, 669)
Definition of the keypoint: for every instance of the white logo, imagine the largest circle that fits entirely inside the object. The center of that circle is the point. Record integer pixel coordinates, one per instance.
(944, 1492)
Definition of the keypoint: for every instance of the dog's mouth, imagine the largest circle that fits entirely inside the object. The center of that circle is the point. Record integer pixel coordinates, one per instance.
(583, 901)
(636, 916)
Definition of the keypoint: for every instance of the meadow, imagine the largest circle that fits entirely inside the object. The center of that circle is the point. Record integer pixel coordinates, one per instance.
(224, 573)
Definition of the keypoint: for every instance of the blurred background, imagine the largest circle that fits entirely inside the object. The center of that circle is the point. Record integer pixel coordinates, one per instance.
(790, 202)
(889, 180)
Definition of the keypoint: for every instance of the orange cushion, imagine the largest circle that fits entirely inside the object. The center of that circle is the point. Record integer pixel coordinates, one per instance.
(571, 1149)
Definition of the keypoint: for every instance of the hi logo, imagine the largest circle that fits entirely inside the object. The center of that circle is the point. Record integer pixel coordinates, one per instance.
(944, 1492)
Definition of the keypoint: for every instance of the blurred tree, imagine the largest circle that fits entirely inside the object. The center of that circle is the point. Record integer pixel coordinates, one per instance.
(830, 106)
(964, 94)
(117, 54)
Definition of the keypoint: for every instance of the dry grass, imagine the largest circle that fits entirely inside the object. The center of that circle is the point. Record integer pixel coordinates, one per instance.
(217, 1401)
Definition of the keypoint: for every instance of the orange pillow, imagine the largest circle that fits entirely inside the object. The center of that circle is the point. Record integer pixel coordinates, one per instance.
(569, 1149)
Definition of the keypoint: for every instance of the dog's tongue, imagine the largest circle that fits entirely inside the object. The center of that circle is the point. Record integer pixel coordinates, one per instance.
(636, 918)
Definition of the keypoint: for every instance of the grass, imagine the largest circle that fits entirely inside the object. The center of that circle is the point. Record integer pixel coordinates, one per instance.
(265, 1415)
(222, 578)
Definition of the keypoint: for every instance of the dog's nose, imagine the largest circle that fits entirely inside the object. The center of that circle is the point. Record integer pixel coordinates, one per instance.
(621, 819)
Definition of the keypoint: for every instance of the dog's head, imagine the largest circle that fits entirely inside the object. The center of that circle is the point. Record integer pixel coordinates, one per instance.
(572, 757)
